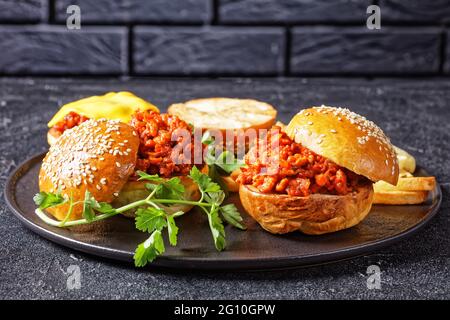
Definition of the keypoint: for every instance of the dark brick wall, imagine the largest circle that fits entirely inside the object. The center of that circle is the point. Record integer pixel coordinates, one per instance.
(225, 37)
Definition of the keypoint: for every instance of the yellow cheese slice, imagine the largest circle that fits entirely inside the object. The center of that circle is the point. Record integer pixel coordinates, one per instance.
(113, 105)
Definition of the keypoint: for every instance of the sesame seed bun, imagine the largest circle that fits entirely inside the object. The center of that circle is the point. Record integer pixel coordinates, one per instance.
(98, 156)
(316, 214)
(347, 139)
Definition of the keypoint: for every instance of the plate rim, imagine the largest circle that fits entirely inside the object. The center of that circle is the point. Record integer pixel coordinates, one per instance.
(198, 263)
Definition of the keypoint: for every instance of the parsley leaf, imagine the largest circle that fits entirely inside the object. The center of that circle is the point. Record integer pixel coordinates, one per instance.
(175, 188)
(215, 197)
(150, 219)
(216, 177)
(207, 138)
(203, 181)
(231, 214)
(46, 199)
(172, 229)
(217, 229)
(149, 249)
(151, 177)
(89, 204)
(171, 189)
(228, 162)
(104, 207)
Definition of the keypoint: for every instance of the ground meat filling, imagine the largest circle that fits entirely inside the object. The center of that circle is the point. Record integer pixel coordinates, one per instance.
(297, 171)
(72, 119)
(155, 155)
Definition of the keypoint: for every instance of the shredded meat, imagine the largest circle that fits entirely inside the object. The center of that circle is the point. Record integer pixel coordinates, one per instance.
(297, 171)
(70, 120)
(155, 132)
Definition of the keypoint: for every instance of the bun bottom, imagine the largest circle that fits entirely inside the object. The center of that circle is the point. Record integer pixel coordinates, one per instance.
(314, 215)
(135, 190)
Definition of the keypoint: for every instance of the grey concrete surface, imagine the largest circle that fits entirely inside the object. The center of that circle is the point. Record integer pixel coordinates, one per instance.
(415, 114)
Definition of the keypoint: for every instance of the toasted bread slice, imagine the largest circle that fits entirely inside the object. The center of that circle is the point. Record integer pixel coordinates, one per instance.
(225, 113)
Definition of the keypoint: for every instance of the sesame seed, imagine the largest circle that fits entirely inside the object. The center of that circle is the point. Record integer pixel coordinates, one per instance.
(98, 187)
(117, 164)
(310, 123)
(333, 131)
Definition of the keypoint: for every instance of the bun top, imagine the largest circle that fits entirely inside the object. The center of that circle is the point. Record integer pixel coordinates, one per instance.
(348, 139)
(97, 156)
(225, 113)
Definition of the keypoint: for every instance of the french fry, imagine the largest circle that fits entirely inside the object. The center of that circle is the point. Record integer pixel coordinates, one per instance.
(409, 189)
(400, 197)
(407, 184)
(405, 174)
(406, 161)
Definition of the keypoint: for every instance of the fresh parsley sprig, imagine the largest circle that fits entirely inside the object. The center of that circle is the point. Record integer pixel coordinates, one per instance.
(151, 216)
(46, 200)
(223, 163)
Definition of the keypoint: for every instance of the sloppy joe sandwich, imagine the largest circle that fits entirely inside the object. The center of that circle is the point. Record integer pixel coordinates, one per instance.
(113, 105)
(154, 155)
(103, 157)
(316, 176)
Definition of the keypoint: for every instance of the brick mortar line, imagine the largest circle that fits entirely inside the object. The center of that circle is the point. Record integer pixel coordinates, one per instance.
(400, 25)
(270, 76)
(51, 11)
(443, 52)
(443, 27)
(214, 7)
(287, 53)
(130, 49)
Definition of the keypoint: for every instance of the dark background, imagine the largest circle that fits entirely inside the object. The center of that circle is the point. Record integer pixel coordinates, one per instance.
(225, 38)
(251, 39)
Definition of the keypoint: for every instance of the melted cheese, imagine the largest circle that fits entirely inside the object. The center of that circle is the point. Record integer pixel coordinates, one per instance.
(112, 106)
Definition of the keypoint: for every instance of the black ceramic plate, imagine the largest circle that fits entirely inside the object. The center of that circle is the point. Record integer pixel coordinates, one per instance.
(116, 238)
